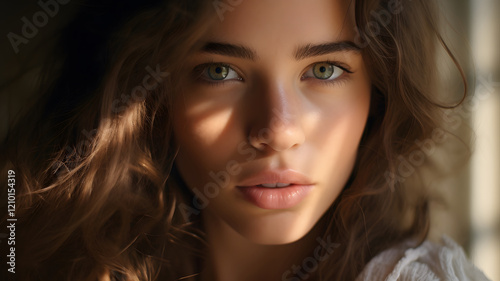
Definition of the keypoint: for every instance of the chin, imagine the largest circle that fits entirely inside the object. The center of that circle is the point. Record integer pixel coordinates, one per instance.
(275, 228)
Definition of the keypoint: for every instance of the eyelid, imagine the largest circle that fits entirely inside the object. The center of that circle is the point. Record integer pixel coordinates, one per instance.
(329, 82)
(199, 72)
(200, 69)
(338, 64)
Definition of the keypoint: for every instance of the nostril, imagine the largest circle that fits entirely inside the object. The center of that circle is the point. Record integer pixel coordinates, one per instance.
(277, 141)
(257, 142)
(278, 128)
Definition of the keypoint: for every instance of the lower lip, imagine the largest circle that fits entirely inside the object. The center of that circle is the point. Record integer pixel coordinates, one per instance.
(275, 198)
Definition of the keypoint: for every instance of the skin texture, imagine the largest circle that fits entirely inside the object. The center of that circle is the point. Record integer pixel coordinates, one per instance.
(270, 113)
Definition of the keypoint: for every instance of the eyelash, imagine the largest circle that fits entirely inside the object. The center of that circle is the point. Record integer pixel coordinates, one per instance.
(337, 81)
(199, 69)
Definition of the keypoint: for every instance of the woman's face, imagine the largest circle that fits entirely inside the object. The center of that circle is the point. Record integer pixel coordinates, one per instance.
(279, 87)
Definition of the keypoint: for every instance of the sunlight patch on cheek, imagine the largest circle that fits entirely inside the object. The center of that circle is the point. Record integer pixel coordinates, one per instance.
(202, 106)
(209, 128)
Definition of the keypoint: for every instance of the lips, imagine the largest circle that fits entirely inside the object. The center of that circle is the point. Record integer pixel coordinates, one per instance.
(288, 176)
(276, 189)
(279, 184)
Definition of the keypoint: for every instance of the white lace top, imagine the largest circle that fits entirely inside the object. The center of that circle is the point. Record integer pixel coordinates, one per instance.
(427, 262)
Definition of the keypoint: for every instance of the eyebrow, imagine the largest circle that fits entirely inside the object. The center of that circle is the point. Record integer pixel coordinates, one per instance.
(301, 52)
(310, 50)
(231, 50)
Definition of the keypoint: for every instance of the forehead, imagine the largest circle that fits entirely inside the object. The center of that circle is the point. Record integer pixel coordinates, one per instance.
(284, 23)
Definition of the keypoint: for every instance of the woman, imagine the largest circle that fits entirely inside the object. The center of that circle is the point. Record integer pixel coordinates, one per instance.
(238, 140)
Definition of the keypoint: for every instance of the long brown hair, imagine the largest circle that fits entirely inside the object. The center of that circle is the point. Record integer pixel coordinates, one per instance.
(97, 191)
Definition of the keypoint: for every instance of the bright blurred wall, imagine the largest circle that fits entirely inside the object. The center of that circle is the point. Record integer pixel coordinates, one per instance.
(472, 213)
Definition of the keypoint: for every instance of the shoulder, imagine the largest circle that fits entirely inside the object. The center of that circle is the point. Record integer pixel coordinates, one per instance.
(428, 261)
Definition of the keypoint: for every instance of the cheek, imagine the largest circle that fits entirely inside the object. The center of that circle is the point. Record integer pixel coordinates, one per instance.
(343, 125)
(338, 135)
(205, 122)
(205, 132)
(206, 139)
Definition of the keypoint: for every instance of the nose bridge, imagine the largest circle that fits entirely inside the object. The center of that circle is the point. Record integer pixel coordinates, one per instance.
(284, 107)
(278, 121)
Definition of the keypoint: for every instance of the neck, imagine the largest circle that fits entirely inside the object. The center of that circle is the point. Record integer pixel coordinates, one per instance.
(233, 257)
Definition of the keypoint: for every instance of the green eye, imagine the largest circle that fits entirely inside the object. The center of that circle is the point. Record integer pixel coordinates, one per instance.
(217, 71)
(323, 70)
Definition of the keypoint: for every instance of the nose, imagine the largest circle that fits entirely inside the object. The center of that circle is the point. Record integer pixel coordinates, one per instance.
(277, 116)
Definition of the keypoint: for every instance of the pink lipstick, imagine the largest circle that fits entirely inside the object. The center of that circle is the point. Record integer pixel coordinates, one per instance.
(276, 189)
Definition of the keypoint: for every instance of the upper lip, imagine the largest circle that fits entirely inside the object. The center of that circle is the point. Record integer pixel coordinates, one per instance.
(277, 176)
